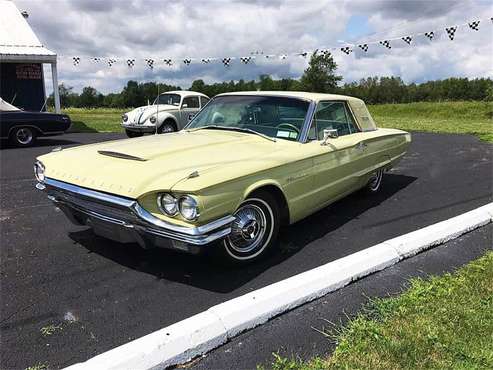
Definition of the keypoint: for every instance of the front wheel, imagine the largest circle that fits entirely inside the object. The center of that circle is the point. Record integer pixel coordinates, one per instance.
(131, 133)
(254, 231)
(166, 128)
(22, 136)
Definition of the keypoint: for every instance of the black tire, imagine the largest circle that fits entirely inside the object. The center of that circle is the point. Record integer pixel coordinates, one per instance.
(254, 233)
(167, 127)
(23, 136)
(131, 133)
(375, 182)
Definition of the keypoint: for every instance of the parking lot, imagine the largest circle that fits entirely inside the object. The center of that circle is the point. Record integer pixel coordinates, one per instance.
(67, 295)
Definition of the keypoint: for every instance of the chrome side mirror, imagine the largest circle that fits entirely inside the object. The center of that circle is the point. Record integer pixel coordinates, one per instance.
(329, 134)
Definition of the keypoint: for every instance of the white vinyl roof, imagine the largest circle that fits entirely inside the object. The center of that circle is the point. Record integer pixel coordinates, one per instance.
(18, 42)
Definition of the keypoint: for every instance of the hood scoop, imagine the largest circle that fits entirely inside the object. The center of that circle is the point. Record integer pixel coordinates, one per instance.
(110, 153)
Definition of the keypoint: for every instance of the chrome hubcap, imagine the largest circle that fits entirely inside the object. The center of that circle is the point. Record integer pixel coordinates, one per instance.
(248, 229)
(24, 136)
(376, 179)
(167, 128)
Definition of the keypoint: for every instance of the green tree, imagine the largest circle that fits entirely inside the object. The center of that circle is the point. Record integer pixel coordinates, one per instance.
(320, 75)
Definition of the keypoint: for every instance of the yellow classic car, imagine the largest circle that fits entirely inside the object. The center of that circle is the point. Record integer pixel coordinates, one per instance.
(246, 164)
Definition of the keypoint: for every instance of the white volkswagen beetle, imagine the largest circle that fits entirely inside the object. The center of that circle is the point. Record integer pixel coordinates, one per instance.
(171, 111)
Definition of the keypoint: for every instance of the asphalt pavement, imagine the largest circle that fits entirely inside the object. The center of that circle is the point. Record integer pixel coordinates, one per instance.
(67, 295)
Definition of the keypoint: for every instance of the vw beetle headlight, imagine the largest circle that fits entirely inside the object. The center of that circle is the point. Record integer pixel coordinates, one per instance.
(189, 208)
(39, 171)
(124, 118)
(153, 119)
(167, 204)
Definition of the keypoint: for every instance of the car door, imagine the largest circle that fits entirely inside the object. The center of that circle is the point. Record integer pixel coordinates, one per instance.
(190, 105)
(337, 162)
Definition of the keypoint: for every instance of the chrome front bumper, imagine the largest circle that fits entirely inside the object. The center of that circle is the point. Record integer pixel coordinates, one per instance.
(125, 220)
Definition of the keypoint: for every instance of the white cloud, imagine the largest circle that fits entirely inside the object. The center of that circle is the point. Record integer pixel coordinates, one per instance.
(187, 28)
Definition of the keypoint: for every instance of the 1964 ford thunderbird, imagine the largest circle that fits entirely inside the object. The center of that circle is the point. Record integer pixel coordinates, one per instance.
(245, 165)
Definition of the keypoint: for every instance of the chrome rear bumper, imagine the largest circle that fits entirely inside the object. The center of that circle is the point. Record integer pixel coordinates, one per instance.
(125, 220)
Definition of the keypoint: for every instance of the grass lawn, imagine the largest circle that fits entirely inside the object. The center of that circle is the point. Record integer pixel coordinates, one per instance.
(442, 322)
(95, 120)
(453, 117)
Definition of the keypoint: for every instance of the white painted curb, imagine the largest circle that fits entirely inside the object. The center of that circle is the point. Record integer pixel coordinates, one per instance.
(180, 342)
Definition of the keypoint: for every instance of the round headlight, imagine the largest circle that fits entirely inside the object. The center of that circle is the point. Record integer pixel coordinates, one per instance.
(125, 118)
(152, 119)
(39, 171)
(189, 208)
(167, 204)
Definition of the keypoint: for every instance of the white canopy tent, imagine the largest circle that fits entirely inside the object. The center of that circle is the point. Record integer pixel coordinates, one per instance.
(19, 44)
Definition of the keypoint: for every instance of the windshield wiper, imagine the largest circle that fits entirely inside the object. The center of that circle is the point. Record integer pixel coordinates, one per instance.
(229, 128)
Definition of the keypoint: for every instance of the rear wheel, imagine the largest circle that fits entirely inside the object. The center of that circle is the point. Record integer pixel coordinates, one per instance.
(23, 136)
(375, 182)
(131, 133)
(254, 231)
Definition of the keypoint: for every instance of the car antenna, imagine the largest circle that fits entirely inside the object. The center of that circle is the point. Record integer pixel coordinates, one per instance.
(157, 110)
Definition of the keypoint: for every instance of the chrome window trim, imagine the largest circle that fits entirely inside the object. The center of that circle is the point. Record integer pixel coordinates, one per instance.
(138, 210)
(310, 114)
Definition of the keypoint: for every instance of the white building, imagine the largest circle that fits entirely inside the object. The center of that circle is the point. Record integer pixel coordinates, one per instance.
(21, 61)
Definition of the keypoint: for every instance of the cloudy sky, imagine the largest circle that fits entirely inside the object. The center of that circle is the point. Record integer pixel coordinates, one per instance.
(212, 28)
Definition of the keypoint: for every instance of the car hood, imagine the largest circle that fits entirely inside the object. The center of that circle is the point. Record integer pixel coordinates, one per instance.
(134, 167)
(141, 114)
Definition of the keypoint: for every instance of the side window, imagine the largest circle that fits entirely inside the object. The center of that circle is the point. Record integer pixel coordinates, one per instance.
(191, 101)
(332, 115)
(203, 101)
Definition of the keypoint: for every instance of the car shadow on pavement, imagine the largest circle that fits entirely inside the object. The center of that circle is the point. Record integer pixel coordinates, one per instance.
(203, 273)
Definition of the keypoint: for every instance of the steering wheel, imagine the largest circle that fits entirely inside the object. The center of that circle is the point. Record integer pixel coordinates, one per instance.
(290, 126)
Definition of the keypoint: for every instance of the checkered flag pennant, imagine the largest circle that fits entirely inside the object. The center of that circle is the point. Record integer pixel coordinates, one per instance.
(168, 62)
(347, 50)
(111, 62)
(386, 43)
(206, 60)
(96, 59)
(451, 32)
(325, 52)
(150, 63)
(246, 60)
(226, 61)
(407, 39)
(269, 56)
(364, 47)
(130, 63)
(76, 60)
(283, 56)
(430, 35)
(475, 25)
(187, 61)
(303, 54)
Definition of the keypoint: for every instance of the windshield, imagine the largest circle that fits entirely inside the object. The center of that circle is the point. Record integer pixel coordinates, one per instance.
(276, 117)
(170, 99)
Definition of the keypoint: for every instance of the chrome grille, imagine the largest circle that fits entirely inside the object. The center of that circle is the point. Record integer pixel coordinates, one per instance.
(89, 204)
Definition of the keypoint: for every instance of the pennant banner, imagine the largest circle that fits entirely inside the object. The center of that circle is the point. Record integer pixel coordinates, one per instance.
(364, 47)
